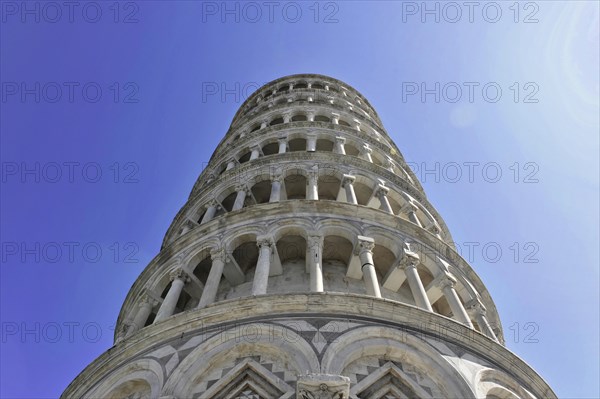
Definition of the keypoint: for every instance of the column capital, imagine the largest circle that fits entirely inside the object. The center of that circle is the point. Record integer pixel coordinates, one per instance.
(322, 386)
(179, 274)
(282, 138)
(366, 149)
(348, 179)
(213, 202)
(262, 241)
(241, 187)
(475, 307)
(314, 239)
(409, 257)
(409, 207)
(366, 244)
(434, 228)
(145, 298)
(340, 139)
(381, 190)
(313, 173)
(218, 254)
(446, 281)
(277, 178)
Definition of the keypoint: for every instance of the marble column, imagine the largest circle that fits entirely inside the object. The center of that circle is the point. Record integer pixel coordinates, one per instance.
(335, 118)
(348, 184)
(411, 211)
(409, 264)
(282, 144)
(368, 267)
(312, 189)
(340, 145)
(446, 284)
(144, 309)
(263, 266)
(478, 311)
(240, 198)
(213, 207)
(230, 164)
(315, 262)
(287, 117)
(178, 278)
(311, 142)
(366, 153)
(255, 152)
(276, 189)
(218, 257)
(381, 193)
(389, 164)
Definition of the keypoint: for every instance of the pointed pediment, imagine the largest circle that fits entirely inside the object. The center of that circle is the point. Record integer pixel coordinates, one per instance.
(248, 380)
(388, 381)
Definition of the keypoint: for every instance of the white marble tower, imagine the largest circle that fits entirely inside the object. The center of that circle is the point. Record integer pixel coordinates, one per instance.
(308, 263)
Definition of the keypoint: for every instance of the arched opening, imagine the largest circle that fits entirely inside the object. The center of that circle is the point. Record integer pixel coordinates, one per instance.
(299, 118)
(262, 191)
(297, 145)
(376, 158)
(317, 86)
(337, 252)
(343, 123)
(200, 215)
(255, 128)
(328, 187)
(228, 201)
(276, 121)
(324, 145)
(322, 118)
(295, 187)
(301, 86)
(363, 193)
(270, 149)
(245, 158)
(383, 259)
(202, 268)
(292, 250)
(351, 150)
(394, 204)
(246, 254)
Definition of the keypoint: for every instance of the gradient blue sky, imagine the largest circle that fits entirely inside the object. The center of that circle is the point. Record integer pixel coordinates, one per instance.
(160, 143)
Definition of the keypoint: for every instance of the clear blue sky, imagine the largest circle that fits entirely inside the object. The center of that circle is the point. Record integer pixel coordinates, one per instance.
(155, 124)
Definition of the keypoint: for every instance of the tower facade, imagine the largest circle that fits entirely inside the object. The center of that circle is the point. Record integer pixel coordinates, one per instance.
(308, 263)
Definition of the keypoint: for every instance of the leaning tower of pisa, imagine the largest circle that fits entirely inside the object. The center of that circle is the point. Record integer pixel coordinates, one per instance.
(307, 263)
